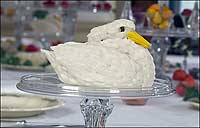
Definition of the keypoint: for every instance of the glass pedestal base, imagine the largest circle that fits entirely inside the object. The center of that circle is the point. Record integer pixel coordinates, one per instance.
(96, 111)
(159, 48)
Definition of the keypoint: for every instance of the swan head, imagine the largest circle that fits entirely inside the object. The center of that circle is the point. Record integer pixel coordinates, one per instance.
(120, 29)
(115, 29)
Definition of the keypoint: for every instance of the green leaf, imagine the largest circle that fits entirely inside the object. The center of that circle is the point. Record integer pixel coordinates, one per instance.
(40, 14)
(191, 93)
(178, 65)
(12, 60)
(27, 63)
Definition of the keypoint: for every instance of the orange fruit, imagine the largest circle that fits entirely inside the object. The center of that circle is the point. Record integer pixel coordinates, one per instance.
(164, 7)
(151, 12)
(164, 25)
(167, 14)
(157, 19)
(156, 7)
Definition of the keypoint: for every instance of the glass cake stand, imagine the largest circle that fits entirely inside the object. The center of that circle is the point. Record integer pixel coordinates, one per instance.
(96, 105)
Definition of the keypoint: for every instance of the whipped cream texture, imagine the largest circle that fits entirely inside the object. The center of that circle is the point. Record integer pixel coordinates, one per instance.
(108, 59)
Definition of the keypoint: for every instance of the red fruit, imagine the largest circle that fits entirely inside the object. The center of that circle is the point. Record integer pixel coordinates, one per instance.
(98, 6)
(187, 12)
(179, 74)
(32, 48)
(49, 3)
(189, 81)
(64, 4)
(107, 6)
(180, 90)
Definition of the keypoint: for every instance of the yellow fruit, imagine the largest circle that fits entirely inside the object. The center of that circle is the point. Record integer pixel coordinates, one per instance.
(164, 7)
(164, 25)
(157, 19)
(138, 39)
(151, 12)
(155, 7)
(167, 14)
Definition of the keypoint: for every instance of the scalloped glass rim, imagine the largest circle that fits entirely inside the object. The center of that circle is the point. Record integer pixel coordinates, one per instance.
(49, 84)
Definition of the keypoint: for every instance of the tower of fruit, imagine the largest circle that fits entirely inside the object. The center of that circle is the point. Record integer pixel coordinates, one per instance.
(159, 19)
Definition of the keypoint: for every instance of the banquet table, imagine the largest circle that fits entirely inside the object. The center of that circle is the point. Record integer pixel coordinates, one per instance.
(165, 111)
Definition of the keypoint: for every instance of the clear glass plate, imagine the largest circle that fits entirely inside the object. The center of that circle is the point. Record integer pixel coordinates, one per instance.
(49, 84)
(95, 106)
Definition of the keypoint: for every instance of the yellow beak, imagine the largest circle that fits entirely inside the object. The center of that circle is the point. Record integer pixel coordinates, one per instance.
(138, 39)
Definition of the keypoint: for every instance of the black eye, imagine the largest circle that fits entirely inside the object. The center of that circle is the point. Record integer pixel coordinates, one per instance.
(122, 29)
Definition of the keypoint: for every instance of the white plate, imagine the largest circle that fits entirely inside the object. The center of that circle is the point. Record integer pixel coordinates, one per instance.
(15, 105)
(195, 105)
(21, 67)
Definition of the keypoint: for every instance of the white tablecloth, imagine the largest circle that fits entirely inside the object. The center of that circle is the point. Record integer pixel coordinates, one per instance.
(166, 111)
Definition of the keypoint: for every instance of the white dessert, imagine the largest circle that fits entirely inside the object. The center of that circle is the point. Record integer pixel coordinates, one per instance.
(108, 59)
